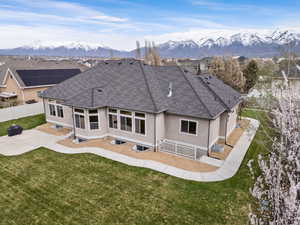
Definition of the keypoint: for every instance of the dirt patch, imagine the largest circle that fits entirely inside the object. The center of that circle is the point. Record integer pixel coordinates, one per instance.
(231, 140)
(48, 128)
(126, 149)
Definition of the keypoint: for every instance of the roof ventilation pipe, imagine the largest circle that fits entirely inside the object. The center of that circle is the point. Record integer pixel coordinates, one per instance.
(170, 90)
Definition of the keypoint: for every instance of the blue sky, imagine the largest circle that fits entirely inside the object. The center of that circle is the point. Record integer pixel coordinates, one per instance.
(118, 24)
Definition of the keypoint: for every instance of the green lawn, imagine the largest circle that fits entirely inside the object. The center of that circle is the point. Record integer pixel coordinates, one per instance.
(45, 187)
(26, 122)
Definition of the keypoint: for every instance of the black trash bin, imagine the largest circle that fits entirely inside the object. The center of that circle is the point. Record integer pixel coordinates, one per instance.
(14, 130)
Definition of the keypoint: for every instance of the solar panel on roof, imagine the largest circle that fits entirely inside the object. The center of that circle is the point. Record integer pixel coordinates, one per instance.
(46, 76)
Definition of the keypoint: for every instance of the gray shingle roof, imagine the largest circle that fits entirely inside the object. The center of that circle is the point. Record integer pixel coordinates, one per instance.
(130, 84)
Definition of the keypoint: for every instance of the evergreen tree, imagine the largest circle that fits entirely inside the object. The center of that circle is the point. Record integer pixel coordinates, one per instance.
(251, 75)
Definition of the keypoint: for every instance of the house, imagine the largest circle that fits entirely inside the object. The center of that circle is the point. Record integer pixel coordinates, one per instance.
(22, 81)
(132, 101)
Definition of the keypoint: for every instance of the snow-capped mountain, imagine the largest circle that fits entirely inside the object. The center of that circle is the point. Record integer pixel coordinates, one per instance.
(250, 44)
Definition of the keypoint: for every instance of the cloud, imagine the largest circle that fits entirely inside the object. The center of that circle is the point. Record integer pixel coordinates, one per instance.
(68, 9)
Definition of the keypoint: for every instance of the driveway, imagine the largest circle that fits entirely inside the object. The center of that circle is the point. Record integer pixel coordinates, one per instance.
(33, 139)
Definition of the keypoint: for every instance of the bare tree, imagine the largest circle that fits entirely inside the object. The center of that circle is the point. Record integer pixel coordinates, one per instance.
(138, 54)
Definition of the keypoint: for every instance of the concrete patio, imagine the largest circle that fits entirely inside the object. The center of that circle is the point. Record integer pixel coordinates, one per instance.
(33, 139)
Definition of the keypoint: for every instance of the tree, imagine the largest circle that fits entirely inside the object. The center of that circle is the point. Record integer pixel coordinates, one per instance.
(277, 189)
(138, 50)
(228, 70)
(152, 56)
(251, 75)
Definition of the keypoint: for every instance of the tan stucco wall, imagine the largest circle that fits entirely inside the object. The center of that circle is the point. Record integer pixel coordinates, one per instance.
(231, 123)
(214, 131)
(232, 119)
(167, 127)
(223, 117)
(172, 123)
(32, 93)
(67, 121)
(160, 126)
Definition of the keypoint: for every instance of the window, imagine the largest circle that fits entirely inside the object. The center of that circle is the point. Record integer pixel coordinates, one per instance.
(113, 111)
(79, 118)
(79, 121)
(140, 123)
(60, 111)
(113, 121)
(94, 119)
(113, 118)
(140, 126)
(189, 127)
(142, 115)
(125, 112)
(94, 122)
(126, 123)
(79, 110)
(52, 110)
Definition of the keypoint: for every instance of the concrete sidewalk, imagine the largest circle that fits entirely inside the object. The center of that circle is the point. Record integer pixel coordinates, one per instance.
(33, 139)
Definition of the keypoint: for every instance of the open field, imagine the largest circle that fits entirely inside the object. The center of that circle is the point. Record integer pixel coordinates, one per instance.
(46, 187)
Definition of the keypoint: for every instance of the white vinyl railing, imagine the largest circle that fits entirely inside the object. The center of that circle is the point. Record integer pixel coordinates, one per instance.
(17, 112)
(185, 150)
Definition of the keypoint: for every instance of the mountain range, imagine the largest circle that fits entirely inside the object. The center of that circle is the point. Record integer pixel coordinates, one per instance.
(240, 44)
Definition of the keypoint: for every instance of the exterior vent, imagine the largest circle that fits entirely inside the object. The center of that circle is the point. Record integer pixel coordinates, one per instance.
(170, 90)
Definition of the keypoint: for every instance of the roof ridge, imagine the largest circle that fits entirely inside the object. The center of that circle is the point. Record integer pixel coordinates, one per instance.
(220, 99)
(184, 75)
(146, 81)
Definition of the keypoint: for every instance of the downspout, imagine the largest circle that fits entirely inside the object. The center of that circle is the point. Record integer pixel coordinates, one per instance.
(208, 138)
(73, 118)
(155, 150)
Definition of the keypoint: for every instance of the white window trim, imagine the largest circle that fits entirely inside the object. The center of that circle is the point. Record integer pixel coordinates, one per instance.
(53, 102)
(132, 116)
(63, 112)
(94, 114)
(141, 118)
(189, 134)
(127, 116)
(54, 105)
(115, 114)
(85, 118)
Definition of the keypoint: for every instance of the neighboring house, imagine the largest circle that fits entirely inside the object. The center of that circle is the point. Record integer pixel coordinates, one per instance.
(145, 104)
(23, 82)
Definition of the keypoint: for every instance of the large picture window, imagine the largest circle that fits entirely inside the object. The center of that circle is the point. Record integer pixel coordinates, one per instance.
(94, 119)
(188, 127)
(52, 110)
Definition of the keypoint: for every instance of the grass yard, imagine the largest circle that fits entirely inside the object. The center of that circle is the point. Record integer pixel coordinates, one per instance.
(26, 122)
(45, 187)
